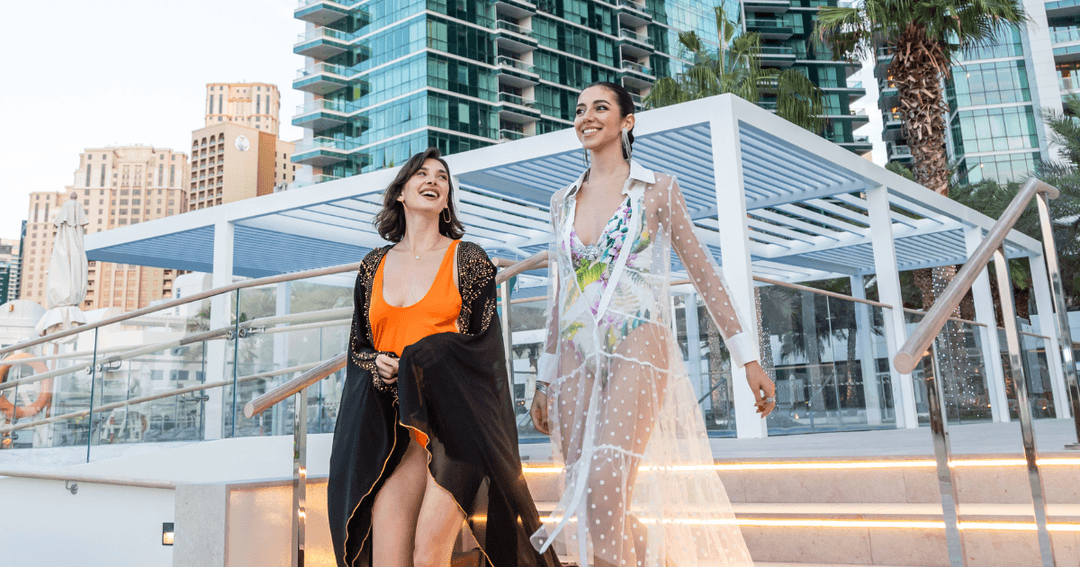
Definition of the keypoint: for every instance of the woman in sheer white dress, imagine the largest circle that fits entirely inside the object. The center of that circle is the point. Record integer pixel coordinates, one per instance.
(638, 486)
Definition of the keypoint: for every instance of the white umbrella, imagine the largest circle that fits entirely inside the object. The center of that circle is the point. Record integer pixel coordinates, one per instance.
(67, 271)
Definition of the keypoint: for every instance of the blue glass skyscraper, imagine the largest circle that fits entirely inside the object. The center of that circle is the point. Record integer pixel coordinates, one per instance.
(387, 78)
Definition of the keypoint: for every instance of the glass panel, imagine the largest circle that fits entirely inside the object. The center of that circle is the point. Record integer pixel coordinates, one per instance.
(959, 348)
(829, 361)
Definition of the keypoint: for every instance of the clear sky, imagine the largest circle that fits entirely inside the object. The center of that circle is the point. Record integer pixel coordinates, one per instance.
(92, 73)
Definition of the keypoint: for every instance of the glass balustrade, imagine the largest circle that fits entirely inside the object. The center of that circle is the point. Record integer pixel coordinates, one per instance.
(184, 374)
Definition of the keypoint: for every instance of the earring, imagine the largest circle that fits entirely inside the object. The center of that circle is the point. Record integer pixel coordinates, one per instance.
(585, 157)
(626, 147)
(448, 217)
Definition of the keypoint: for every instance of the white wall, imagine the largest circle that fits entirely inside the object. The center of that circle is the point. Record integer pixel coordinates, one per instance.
(42, 524)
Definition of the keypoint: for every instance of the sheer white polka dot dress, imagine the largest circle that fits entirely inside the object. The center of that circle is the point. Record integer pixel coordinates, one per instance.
(637, 487)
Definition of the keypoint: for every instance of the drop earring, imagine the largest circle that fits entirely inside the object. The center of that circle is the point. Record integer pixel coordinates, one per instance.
(585, 157)
(626, 147)
(448, 217)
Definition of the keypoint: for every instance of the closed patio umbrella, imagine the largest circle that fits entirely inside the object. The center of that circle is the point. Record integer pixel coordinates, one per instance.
(67, 271)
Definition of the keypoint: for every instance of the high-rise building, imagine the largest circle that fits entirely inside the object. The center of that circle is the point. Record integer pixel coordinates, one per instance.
(9, 269)
(387, 78)
(255, 105)
(230, 162)
(786, 29)
(117, 186)
(997, 95)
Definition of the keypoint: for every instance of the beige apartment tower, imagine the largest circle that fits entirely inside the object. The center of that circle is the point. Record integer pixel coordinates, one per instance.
(117, 186)
(230, 162)
(254, 105)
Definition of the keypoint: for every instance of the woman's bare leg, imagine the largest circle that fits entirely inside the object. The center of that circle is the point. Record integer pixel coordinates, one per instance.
(396, 510)
(438, 527)
(631, 400)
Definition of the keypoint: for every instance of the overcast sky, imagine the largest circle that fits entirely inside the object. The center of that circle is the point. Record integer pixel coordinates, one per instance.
(92, 73)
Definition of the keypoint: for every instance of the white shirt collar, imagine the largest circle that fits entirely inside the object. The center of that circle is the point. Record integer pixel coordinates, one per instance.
(638, 172)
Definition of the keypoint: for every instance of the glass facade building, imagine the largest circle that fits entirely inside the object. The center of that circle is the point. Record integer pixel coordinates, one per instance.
(997, 95)
(786, 28)
(387, 78)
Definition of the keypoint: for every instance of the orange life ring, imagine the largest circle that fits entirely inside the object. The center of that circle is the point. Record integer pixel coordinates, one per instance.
(43, 397)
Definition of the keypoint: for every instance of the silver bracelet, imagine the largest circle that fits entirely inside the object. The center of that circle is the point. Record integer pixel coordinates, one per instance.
(542, 387)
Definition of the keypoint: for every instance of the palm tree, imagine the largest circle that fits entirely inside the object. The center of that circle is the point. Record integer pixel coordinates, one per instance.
(925, 39)
(735, 68)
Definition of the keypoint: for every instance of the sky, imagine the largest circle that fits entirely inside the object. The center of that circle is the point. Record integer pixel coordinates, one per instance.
(93, 73)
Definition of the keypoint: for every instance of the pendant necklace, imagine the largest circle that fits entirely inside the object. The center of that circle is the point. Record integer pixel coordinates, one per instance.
(417, 256)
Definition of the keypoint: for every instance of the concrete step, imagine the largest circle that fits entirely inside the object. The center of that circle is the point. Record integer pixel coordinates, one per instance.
(998, 535)
(983, 479)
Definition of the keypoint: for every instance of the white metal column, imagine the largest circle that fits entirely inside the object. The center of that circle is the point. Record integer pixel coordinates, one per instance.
(984, 313)
(693, 344)
(881, 238)
(865, 343)
(219, 317)
(735, 251)
(1040, 282)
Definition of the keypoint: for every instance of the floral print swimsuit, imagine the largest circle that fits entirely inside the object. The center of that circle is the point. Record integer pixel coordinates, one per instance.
(594, 265)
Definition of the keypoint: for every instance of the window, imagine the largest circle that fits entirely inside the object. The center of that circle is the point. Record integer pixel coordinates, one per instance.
(87, 175)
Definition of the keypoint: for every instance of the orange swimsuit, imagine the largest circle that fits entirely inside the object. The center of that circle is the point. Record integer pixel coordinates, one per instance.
(395, 328)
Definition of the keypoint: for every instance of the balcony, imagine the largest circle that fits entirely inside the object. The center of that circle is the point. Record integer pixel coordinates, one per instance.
(321, 79)
(900, 152)
(636, 76)
(320, 115)
(322, 43)
(1071, 35)
(323, 12)
(515, 73)
(631, 14)
(766, 6)
(893, 126)
(517, 109)
(322, 151)
(777, 56)
(506, 135)
(770, 29)
(634, 45)
(1069, 83)
(513, 37)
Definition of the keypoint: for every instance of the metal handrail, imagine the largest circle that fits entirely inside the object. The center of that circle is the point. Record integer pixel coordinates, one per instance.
(328, 367)
(77, 478)
(911, 353)
(304, 317)
(281, 278)
(162, 395)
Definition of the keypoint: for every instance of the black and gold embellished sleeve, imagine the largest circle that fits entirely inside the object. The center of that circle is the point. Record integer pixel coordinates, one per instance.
(362, 351)
(477, 287)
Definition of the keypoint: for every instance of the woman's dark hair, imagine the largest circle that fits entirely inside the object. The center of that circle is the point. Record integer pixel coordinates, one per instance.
(390, 221)
(626, 104)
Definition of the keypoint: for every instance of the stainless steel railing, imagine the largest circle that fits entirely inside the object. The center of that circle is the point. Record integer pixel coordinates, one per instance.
(922, 340)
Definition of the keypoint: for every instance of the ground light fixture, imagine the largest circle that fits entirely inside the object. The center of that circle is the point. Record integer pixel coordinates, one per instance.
(167, 533)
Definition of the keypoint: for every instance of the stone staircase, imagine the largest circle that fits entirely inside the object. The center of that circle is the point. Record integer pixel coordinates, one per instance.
(887, 512)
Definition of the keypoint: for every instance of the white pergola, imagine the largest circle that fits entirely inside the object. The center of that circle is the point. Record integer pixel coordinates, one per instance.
(769, 199)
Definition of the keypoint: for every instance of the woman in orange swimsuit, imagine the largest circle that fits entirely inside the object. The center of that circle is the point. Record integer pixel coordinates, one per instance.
(426, 415)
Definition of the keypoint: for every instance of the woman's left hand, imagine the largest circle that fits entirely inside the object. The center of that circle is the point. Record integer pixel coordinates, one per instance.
(762, 386)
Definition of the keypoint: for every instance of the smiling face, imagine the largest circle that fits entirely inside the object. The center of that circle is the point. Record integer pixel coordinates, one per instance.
(428, 190)
(597, 121)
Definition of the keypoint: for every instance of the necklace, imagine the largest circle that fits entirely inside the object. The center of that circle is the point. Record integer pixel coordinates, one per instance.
(417, 256)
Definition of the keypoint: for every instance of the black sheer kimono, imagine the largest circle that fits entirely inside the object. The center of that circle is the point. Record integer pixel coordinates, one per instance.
(452, 387)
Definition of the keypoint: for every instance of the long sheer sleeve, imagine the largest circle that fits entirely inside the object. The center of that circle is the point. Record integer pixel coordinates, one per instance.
(704, 274)
(546, 366)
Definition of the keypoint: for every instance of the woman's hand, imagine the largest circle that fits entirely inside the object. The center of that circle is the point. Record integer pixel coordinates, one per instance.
(539, 413)
(760, 384)
(388, 368)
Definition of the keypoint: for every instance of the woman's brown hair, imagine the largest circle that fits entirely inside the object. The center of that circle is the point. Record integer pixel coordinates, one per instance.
(390, 221)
